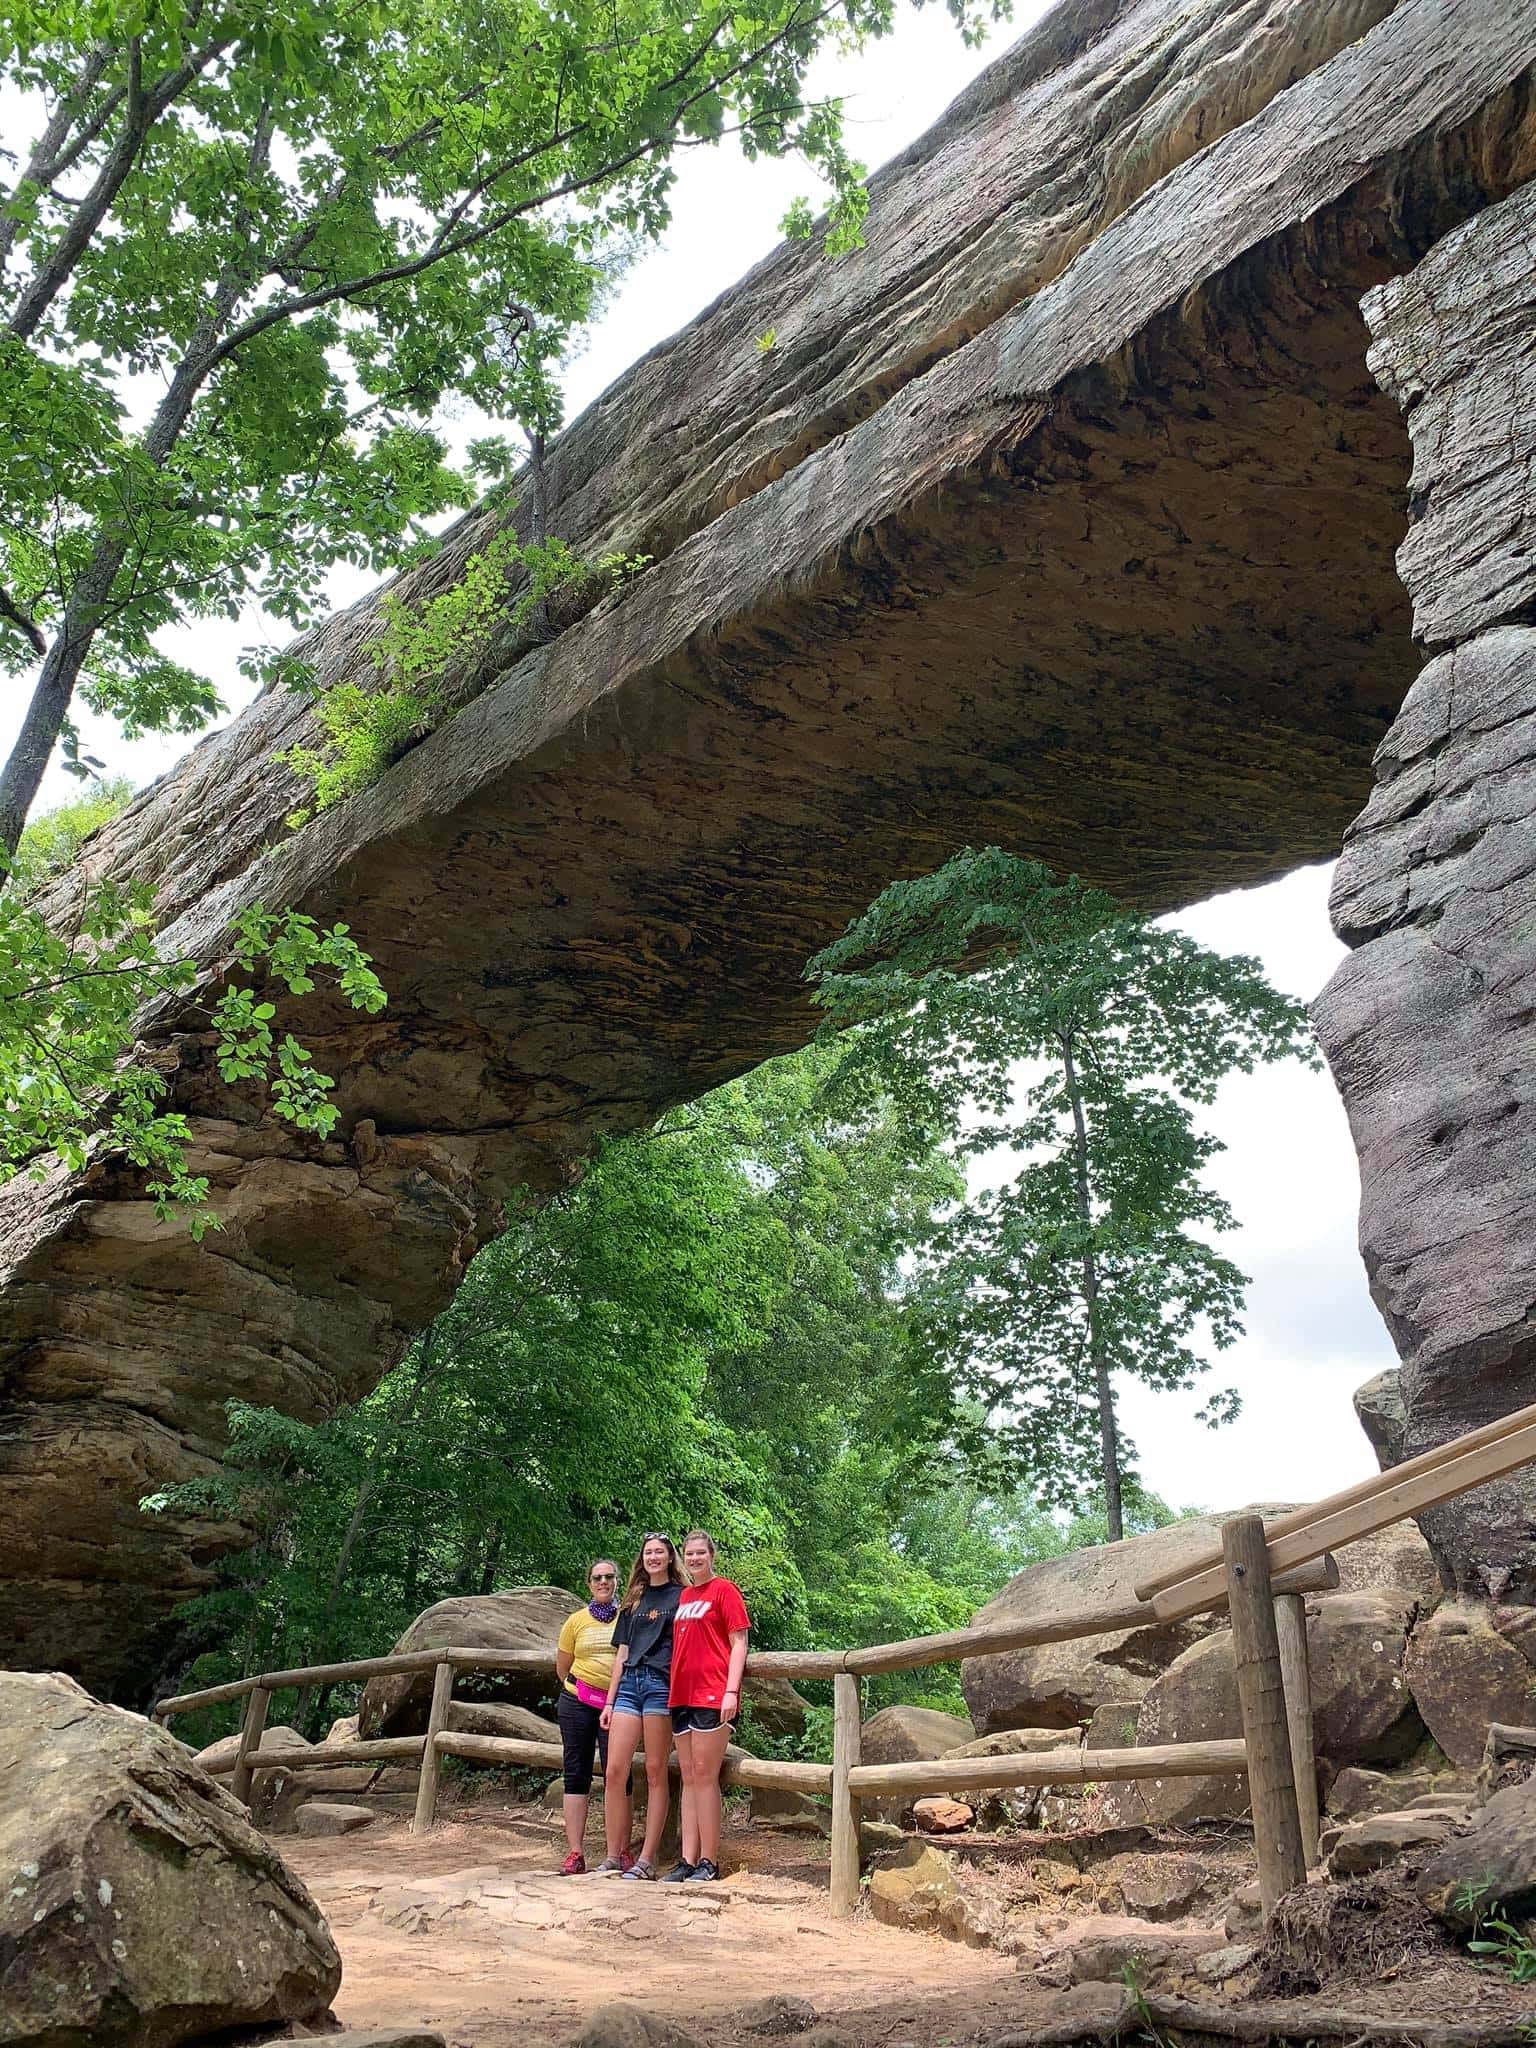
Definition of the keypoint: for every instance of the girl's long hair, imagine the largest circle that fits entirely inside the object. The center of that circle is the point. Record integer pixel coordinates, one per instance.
(639, 1578)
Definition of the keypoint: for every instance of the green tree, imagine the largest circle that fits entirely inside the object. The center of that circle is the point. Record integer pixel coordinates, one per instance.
(1044, 1030)
(713, 1325)
(250, 248)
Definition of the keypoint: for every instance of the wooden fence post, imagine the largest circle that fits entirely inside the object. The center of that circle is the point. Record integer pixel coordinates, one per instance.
(845, 1806)
(1296, 1677)
(426, 1785)
(1261, 1693)
(250, 1739)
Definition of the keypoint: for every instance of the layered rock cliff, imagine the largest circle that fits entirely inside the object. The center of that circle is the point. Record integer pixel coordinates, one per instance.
(1063, 516)
(1430, 1026)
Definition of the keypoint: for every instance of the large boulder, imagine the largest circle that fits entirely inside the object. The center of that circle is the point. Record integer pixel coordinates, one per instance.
(1465, 1675)
(908, 1735)
(1062, 1685)
(1383, 1416)
(1493, 1862)
(1195, 1700)
(1394, 1560)
(776, 1707)
(1361, 1708)
(521, 1618)
(140, 1907)
(500, 1717)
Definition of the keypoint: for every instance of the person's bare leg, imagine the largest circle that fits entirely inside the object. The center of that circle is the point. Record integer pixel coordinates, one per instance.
(623, 1735)
(658, 1745)
(689, 1844)
(576, 1804)
(708, 1755)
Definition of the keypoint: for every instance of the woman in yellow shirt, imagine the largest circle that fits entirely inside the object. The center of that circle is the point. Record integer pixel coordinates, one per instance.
(584, 1665)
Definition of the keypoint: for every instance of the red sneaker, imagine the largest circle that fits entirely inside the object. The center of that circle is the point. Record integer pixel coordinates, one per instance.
(627, 1860)
(574, 1864)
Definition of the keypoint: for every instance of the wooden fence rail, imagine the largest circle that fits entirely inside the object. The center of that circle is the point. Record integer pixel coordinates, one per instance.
(1259, 1571)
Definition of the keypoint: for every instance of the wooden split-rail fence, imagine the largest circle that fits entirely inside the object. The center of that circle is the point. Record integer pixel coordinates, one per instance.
(1259, 1571)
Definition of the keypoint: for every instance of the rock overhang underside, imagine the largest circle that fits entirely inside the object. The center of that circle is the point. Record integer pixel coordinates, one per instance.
(1062, 516)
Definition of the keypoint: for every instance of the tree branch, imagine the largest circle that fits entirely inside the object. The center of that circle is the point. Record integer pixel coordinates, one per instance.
(23, 621)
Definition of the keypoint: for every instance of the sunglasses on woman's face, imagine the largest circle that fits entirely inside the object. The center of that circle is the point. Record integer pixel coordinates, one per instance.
(598, 1577)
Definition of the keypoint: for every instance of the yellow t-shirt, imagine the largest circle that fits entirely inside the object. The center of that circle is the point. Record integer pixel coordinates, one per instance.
(589, 1644)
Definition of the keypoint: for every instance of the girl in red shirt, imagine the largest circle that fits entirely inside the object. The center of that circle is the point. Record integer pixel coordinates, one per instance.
(709, 1654)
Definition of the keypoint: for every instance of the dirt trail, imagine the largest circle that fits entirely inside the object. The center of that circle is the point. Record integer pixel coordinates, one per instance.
(468, 1930)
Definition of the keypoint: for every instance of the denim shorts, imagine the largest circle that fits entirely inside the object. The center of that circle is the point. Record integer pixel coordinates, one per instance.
(641, 1691)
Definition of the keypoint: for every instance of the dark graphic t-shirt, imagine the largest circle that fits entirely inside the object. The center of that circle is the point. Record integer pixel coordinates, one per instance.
(647, 1629)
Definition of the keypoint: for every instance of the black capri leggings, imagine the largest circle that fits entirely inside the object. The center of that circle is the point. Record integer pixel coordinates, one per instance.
(581, 1733)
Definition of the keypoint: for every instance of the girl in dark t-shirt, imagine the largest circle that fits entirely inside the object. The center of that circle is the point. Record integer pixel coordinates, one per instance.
(637, 1698)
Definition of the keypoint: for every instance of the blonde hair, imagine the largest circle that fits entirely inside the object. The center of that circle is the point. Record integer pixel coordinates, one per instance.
(700, 1536)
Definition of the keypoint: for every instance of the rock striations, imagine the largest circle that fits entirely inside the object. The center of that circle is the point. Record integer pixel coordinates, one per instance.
(1062, 515)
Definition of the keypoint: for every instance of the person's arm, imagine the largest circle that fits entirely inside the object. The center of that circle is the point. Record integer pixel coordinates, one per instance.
(563, 1662)
(730, 1700)
(620, 1655)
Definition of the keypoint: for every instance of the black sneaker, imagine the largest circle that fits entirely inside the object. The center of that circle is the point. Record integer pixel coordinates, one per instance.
(703, 1872)
(679, 1873)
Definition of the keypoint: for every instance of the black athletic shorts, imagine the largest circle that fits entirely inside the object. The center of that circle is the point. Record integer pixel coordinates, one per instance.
(688, 1720)
(581, 1734)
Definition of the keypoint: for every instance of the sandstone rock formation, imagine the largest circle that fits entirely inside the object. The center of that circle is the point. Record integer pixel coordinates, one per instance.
(521, 1618)
(1061, 1685)
(139, 1904)
(1426, 1025)
(907, 1735)
(1062, 516)
(1362, 1710)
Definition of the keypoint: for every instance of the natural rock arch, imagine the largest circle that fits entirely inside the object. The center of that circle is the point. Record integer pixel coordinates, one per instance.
(1062, 516)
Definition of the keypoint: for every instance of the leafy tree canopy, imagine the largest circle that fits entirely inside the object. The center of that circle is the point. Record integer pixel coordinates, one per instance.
(717, 1325)
(249, 248)
(1063, 1042)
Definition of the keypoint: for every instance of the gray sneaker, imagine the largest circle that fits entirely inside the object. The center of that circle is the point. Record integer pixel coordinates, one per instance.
(646, 1872)
(609, 1867)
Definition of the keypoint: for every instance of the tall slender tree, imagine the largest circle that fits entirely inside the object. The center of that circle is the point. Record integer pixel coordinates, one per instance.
(1062, 1044)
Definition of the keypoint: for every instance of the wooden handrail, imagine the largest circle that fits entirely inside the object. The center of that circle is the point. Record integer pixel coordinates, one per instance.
(1067, 1765)
(1318, 1575)
(1350, 1496)
(1339, 1521)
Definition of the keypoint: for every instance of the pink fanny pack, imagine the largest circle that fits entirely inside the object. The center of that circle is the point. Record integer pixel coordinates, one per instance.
(589, 1695)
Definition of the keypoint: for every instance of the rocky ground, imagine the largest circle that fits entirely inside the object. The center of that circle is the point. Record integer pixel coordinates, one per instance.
(1122, 1934)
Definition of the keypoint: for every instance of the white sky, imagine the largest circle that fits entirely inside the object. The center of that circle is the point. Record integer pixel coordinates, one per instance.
(1289, 1171)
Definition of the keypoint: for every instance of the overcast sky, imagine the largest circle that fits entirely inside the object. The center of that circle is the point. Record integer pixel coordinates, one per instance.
(1289, 1171)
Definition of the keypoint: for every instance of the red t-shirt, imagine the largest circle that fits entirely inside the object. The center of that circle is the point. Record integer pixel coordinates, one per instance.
(701, 1642)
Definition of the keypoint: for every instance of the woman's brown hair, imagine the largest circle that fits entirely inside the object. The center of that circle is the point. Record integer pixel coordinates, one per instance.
(639, 1578)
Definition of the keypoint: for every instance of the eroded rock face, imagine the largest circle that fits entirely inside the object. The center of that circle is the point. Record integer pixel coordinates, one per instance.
(1465, 1676)
(1427, 1025)
(1052, 519)
(1492, 1861)
(521, 1618)
(140, 1907)
(906, 1735)
(1062, 1685)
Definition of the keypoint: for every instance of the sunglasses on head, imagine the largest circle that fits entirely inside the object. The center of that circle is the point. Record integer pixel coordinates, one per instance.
(658, 1536)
